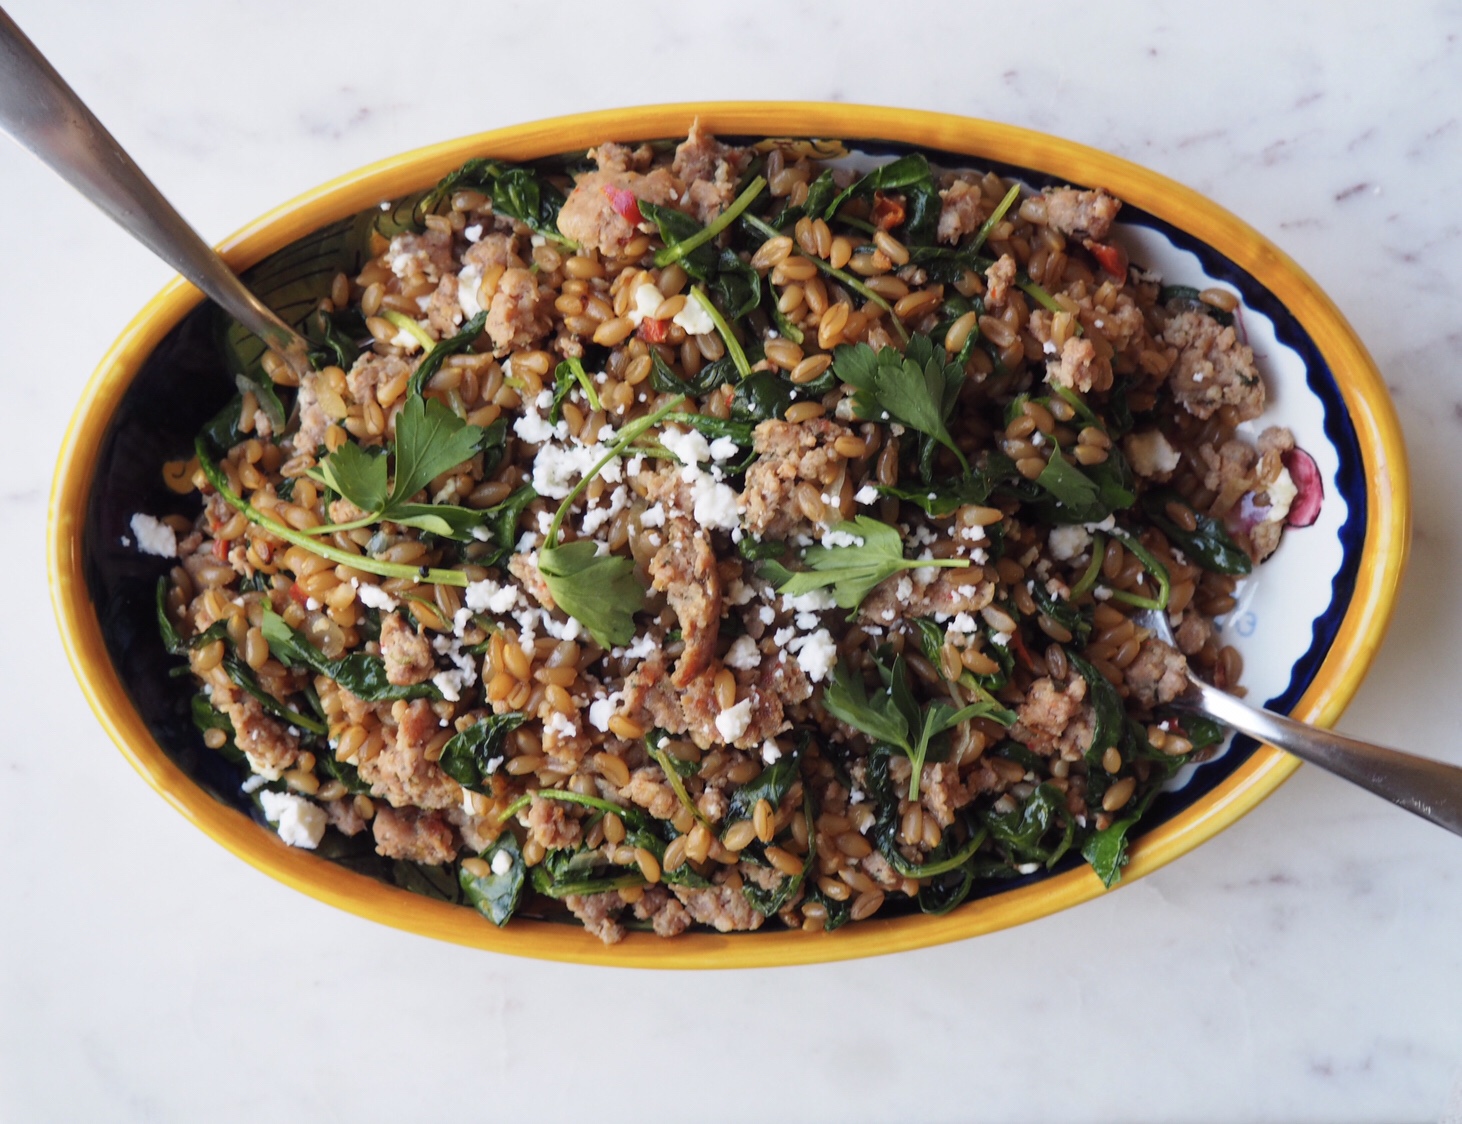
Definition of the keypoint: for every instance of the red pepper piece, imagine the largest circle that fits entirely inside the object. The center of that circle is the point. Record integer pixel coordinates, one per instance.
(888, 211)
(1110, 256)
(624, 203)
(220, 550)
(652, 330)
(297, 595)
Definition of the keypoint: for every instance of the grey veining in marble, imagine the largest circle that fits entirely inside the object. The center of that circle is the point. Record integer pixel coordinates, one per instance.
(1305, 965)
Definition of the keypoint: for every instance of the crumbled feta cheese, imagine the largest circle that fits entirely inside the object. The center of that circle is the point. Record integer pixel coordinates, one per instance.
(771, 752)
(688, 445)
(734, 721)
(818, 655)
(866, 495)
(473, 233)
(468, 282)
(962, 622)
(740, 593)
(814, 601)
(642, 648)
(723, 449)
(653, 516)
(1101, 593)
(1066, 542)
(535, 429)
(743, 654)
(715, 504)
(694, 319)
(904, 589)
(299, 822)
(374, 597)
(1282, 495)
(856, 796)
(766, 614)
(783, 636)
(647, 300)
(406, 341)
(502, 861)
(557, 468)
(602, 710)
(254, 783)
(154, 536)
(561, 724)
(840, 538)
(1000, 639)
(312, 605)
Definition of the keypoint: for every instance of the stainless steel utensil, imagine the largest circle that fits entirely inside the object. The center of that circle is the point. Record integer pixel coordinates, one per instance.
(1430, 789)
(44, 114)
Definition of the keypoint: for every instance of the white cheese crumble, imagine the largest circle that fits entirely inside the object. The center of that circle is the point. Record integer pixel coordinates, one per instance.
(488, 597)
(468, 282)
(1068, 541)
(653, 516)
(647, 300)
(473, 233)
(771, 752)
(733, 722)
(602, 710)
(694, 319)
(689, 445)
(818, 655)
(502, 861)
(1282, 495)
(743, 654)
(254, 783)
(299, 822)
(723, 449)
(154, 536)
(374, 597)
(866, 495)
(841, 538)
(1150, 453)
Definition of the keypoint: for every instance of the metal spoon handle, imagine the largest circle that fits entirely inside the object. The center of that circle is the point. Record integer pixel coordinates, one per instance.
(1430, 789)
(44, 114)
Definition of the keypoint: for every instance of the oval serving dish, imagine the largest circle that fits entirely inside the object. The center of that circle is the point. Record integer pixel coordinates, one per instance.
(1307, 624)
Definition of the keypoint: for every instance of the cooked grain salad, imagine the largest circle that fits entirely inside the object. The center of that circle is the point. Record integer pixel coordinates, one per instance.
(710, 535)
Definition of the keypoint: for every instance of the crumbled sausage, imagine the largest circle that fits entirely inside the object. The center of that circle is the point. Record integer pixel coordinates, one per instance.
(648, 789)
(343, 815)
(551, 824)
(265, 740)
(909, 594)
(723, 907)
(685, 570)
(519, 315)
(667, 917)
(1158, 675)
(421, 837)
(400, 773)
(406, 652)
(709, 169)
(589, 216)
(415, 258)
(1000, 277)
(788, 453)
(370, 372)
(599, 914)
(961, 210)
(1081, 214)
(1053, 720)
(493, 250)
(1214, 368)
(313, 420)
(1080, 367)
(1193, 633)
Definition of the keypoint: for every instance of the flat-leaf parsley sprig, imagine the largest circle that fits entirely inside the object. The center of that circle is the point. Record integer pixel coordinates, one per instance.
(854, 570)
(917, 388)
(598, 590)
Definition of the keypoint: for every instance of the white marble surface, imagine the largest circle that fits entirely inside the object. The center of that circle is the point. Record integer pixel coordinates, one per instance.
(1306, 965)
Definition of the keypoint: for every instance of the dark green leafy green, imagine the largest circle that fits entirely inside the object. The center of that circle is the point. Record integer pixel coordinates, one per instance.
(918, 388)
(1111, 717)
(471, 756)
(601, 592)
(772, 785)
(239, 673)
(1209, 544)
(517, 192)
(676, 229)
(566, 376)
(502, 521)
(664, 379)
(432, 362)
(206, 718)
(496, 896)
(911, 175)
(1021, 832)
(360, 673)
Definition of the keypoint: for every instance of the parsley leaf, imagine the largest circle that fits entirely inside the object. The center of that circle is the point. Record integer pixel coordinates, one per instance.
(598, 591)
(917, 388)
(892, 716)
(568, 375)
(430, 439)
(853, 571)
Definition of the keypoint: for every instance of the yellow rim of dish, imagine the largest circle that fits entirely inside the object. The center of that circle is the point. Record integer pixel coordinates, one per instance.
(1383, 559)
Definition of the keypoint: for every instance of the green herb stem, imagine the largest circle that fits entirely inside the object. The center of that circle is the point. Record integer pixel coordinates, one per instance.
(943, 866)
(995, 218)
(1154, 567)
(733, 345)
(847, 279)
(514, 808)
(425, 575)
(1088, 579)
(411, 328)
(674, 780)
(627, 436)
(671, 254)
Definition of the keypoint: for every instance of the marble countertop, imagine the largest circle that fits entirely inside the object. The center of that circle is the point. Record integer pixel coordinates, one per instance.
(1305, 965)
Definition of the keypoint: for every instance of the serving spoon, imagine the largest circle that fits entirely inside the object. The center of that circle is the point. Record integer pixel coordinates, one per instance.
(1427, 788)
(44, 114)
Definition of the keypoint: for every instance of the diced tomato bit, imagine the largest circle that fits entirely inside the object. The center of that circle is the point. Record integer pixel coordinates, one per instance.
(297, 595)
(1110, 256)
(1021, 652)
(652, 330)
(220, 549)
(624, 203)
(888, 211)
